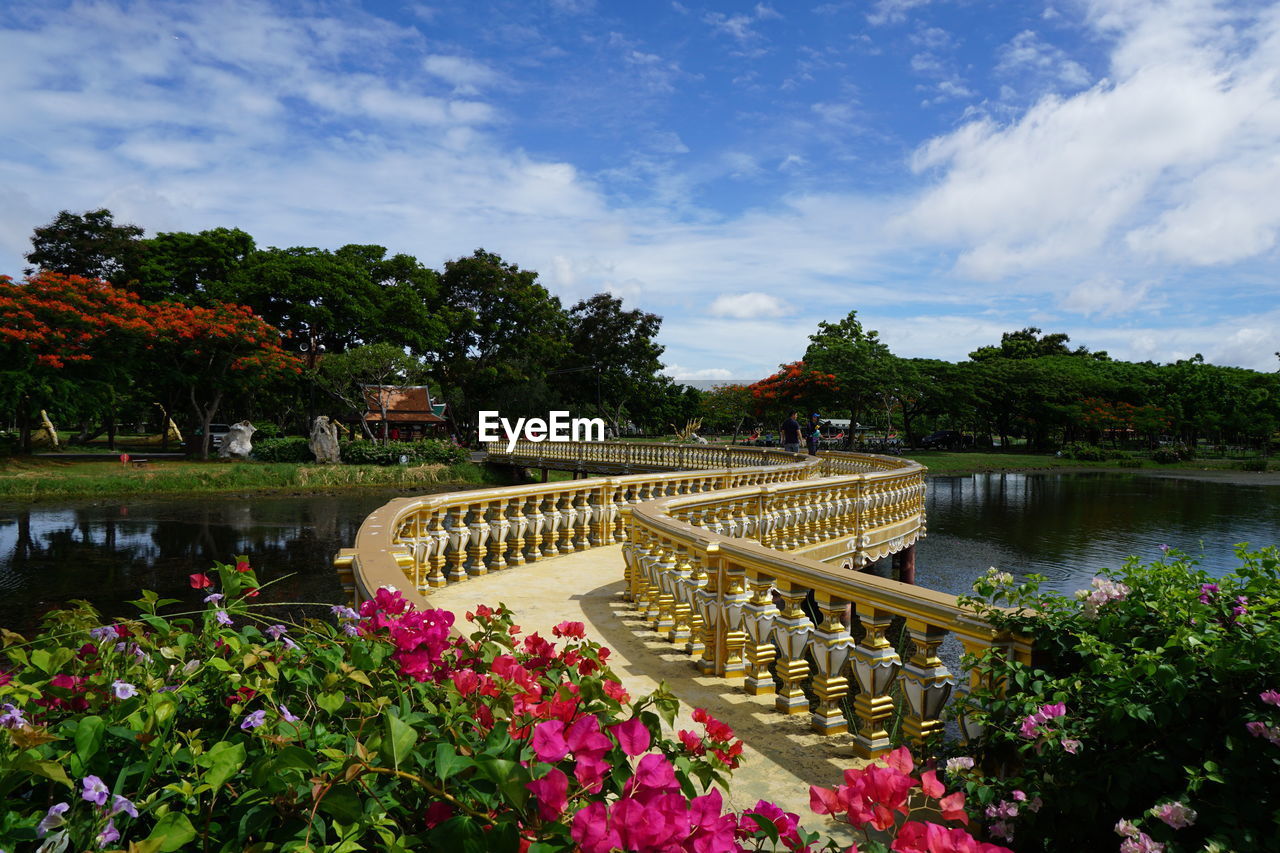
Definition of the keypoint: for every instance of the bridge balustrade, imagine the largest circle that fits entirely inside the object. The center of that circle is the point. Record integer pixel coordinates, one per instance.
(722, 558)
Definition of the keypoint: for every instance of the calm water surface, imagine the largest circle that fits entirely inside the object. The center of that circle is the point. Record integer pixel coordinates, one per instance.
(1068, 526)
(1064, 526)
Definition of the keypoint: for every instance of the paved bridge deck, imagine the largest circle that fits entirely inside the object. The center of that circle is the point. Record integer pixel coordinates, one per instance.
(781, 757)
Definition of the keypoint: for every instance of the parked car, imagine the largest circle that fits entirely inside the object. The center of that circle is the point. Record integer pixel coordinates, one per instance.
(945, 439)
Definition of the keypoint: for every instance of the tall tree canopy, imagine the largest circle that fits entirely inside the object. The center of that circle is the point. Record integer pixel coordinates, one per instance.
(611, 353)
(87, 244)
(860, 361)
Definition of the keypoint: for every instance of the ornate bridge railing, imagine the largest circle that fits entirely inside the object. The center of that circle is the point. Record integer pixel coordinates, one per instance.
(722, 558)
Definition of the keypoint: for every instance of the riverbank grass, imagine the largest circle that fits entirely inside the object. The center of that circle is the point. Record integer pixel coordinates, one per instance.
(27, 479)
(947, 462)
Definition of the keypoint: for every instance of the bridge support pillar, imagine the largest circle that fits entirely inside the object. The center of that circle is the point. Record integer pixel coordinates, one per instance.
(905, 562)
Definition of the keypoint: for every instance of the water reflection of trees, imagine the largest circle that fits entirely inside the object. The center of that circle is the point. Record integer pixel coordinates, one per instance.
(108, 554)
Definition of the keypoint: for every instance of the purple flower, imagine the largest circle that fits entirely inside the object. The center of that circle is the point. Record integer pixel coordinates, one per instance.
(1164, 549)
(343, 612)
(222, 617)
(275, 632)
(123, 804)
(1070, 745)
(123, 689)
(213, 598)
(103, 633)
(1271, 697)
(12, 717)
(254, 720)
(350, 629)
(52, 819)
(109, 833)
(94, 791)
(1241, 607)
(1207, 591)
(289, 644)
(287, 714)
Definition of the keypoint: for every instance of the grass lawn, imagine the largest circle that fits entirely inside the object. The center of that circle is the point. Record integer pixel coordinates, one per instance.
(26, 479)
(947, 462)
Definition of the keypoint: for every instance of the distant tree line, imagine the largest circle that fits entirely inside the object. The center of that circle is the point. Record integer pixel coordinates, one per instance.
(109, 326)
(1031, 386)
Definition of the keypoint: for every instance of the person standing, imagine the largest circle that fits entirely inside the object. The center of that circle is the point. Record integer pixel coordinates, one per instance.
(791, 433)
(814, 433)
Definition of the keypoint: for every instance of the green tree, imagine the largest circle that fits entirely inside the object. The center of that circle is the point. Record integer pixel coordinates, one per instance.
(1031, 343)
(199, 269)
(88, 244)
(344, 375)
(505, 333)
(612, 361)
(860, 361)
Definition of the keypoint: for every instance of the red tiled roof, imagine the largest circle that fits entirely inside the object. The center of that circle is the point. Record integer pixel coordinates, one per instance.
(404, 403)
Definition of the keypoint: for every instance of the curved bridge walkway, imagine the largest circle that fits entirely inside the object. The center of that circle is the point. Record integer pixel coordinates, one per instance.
(782, 756)
(728, 573)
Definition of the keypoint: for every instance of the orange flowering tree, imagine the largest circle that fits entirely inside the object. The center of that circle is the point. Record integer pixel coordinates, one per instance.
(211, 352)
(66, 344)
(795, 386)
(80, 346)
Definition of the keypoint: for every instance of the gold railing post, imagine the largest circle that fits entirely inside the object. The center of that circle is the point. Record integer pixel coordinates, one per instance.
(792, 630)
(674, 583)
(585, 514)
(459, 533)
(706, 600)
(499, 530)
(758, 618)
(479, 538)
(876, 664)
(926, 682)
(732, 600)
(831, 646)
(440, 538)
(664, 602)
(536, 521)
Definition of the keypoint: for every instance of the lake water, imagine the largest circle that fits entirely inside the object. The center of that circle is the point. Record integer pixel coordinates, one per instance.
(1064, 526)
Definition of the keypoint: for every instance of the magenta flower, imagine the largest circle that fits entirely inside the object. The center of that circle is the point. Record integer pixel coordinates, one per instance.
(1070, 745)
(1271, 697)
(632, 736)
(1207, 591)
(552, 792)
(549, 744)
(94, 791)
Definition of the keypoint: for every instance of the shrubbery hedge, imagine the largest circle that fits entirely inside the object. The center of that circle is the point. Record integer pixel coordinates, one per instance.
(426, 452)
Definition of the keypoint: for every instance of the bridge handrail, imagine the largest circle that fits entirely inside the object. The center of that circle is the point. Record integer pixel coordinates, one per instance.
(694, 541)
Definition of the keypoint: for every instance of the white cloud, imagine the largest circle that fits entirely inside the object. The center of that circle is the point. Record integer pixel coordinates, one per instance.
(893, 11)
(467, 76)
(675, 371)
(748, 306)
(1154, 152)
(1106, 297)
(1035, 62)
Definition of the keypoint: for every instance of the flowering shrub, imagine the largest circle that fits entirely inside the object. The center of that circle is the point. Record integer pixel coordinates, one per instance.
(223, 730)
(1149, 720)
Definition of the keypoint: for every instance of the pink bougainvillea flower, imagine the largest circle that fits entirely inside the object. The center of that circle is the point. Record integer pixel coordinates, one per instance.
(654, 773)
(242, 565)
(825, 800)
(900, 760)
(549, 744)
(952, 807)
(552, 792)
(1175, 814)
(437, 813)
(615, 691)
(591, 830)
(930, 785)
(632, 736)
(1271, 697)
(574, 630)
(200, 581)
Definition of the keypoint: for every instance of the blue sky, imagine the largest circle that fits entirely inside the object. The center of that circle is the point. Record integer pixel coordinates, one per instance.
(951, 169)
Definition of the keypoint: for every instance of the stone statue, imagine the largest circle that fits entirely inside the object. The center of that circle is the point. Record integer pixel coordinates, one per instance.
(47, 434)
(324, 440)
(237, 443)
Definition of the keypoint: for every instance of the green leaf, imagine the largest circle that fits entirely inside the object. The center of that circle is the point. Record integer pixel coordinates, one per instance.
(397, 741)
(508, 776)
(449, 762)
(173, 831)
(89, 734)
(51, 770)
(222, 760)
(342, 803)
(330, 701)
(765, 825)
